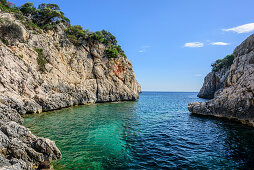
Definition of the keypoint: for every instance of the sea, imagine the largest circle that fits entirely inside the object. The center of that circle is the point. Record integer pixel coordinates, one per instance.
(155, 132)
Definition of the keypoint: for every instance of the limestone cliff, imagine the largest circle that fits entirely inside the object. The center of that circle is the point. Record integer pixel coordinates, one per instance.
(235, 100)
(214, 82)
(43, 71)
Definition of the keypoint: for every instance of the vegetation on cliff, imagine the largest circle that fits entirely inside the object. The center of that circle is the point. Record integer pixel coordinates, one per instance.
(222, 63)
(48, 16)
(76, 34)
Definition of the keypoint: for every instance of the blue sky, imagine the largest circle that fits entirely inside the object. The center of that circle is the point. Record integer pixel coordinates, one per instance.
(168, 41)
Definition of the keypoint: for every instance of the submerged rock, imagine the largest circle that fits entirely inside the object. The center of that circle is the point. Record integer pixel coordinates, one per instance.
(235, 100)
(72, 75)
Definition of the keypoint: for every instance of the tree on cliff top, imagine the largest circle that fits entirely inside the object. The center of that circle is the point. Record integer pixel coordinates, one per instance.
(28, 9)
(50, 13)
(45, 14)
(221, 63)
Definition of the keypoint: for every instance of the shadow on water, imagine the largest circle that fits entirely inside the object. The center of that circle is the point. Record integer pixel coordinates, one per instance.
(155, 132)
(238, 140)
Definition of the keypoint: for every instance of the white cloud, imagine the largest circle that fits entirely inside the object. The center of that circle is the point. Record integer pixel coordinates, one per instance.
(242, 28)
(198, 75)
(194, 44)
(144, 48)
(219, 43)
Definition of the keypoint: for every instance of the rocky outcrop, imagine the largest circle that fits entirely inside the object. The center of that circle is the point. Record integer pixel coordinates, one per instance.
(45, 71)
(214, 82)
(235, 100)
(19, 148)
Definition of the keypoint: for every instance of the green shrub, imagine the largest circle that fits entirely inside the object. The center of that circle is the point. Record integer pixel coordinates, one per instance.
(41, 59)
(8, 7)
(6, 42)
(112, 53)
(10, 31)
(49, 13)
(104, 37)
(109, 38)
(97, 36)
(19, 15)
(32, 26)
(3, 2)
(47, 16)
(221, 63)
(28, 9)
(121, 52)
(3, 6)
(76, 34)
(21, 56)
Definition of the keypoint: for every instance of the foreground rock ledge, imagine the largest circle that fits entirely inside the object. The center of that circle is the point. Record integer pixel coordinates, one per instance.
(236, 99)
(72, 76)
(19, 148)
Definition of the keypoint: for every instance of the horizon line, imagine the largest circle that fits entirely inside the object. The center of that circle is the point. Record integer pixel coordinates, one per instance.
(170, 91)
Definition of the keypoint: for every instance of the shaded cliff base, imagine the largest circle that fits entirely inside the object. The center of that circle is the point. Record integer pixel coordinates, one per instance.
(229, 117)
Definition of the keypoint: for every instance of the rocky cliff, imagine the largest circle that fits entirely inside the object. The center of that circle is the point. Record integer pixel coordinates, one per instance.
(235, 100)
(43, 71)
(214, 82)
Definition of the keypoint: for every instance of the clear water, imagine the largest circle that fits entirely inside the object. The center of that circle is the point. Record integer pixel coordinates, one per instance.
(153, 133)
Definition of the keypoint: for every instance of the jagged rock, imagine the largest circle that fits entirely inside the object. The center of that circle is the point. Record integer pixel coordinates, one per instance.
(213, 82)
(235, 100)
(71, 76)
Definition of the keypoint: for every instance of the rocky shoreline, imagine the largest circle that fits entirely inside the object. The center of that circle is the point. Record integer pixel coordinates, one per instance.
(231, 89)
(71, 75)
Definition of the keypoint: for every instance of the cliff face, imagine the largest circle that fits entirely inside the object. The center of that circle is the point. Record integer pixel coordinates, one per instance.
(45, 71)
(235, 100)
(213, 82)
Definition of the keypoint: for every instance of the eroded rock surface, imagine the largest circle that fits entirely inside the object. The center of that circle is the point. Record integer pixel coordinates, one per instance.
(214, 82)
(235, 100)
(72, 75)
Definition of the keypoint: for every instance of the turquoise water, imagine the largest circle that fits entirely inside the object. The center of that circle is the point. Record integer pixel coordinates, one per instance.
(155, 132)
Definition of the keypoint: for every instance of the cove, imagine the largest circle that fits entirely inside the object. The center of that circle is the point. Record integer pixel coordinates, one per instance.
(157, 131)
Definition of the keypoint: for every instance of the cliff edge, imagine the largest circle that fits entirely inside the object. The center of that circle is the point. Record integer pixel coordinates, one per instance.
(235, 100)
(43, 70)
(214, 82)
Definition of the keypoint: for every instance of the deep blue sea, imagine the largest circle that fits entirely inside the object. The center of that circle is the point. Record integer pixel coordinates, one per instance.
(155, 132)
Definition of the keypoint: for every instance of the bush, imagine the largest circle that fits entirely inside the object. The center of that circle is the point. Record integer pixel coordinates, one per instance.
(6, 42)
(3, 2)
(104, 37)
(8, 6)
(41, 59)
(31, 26)
(28, 9)
(21, 56)
(112, 53)
(221, 63)
(19, 15)
(96, 36)
(76, 34)
(49, 14)
(109, 38)
(10, 31)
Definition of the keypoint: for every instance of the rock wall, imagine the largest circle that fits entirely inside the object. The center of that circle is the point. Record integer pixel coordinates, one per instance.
(214, 82)
(235, 100)
(72, 76)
